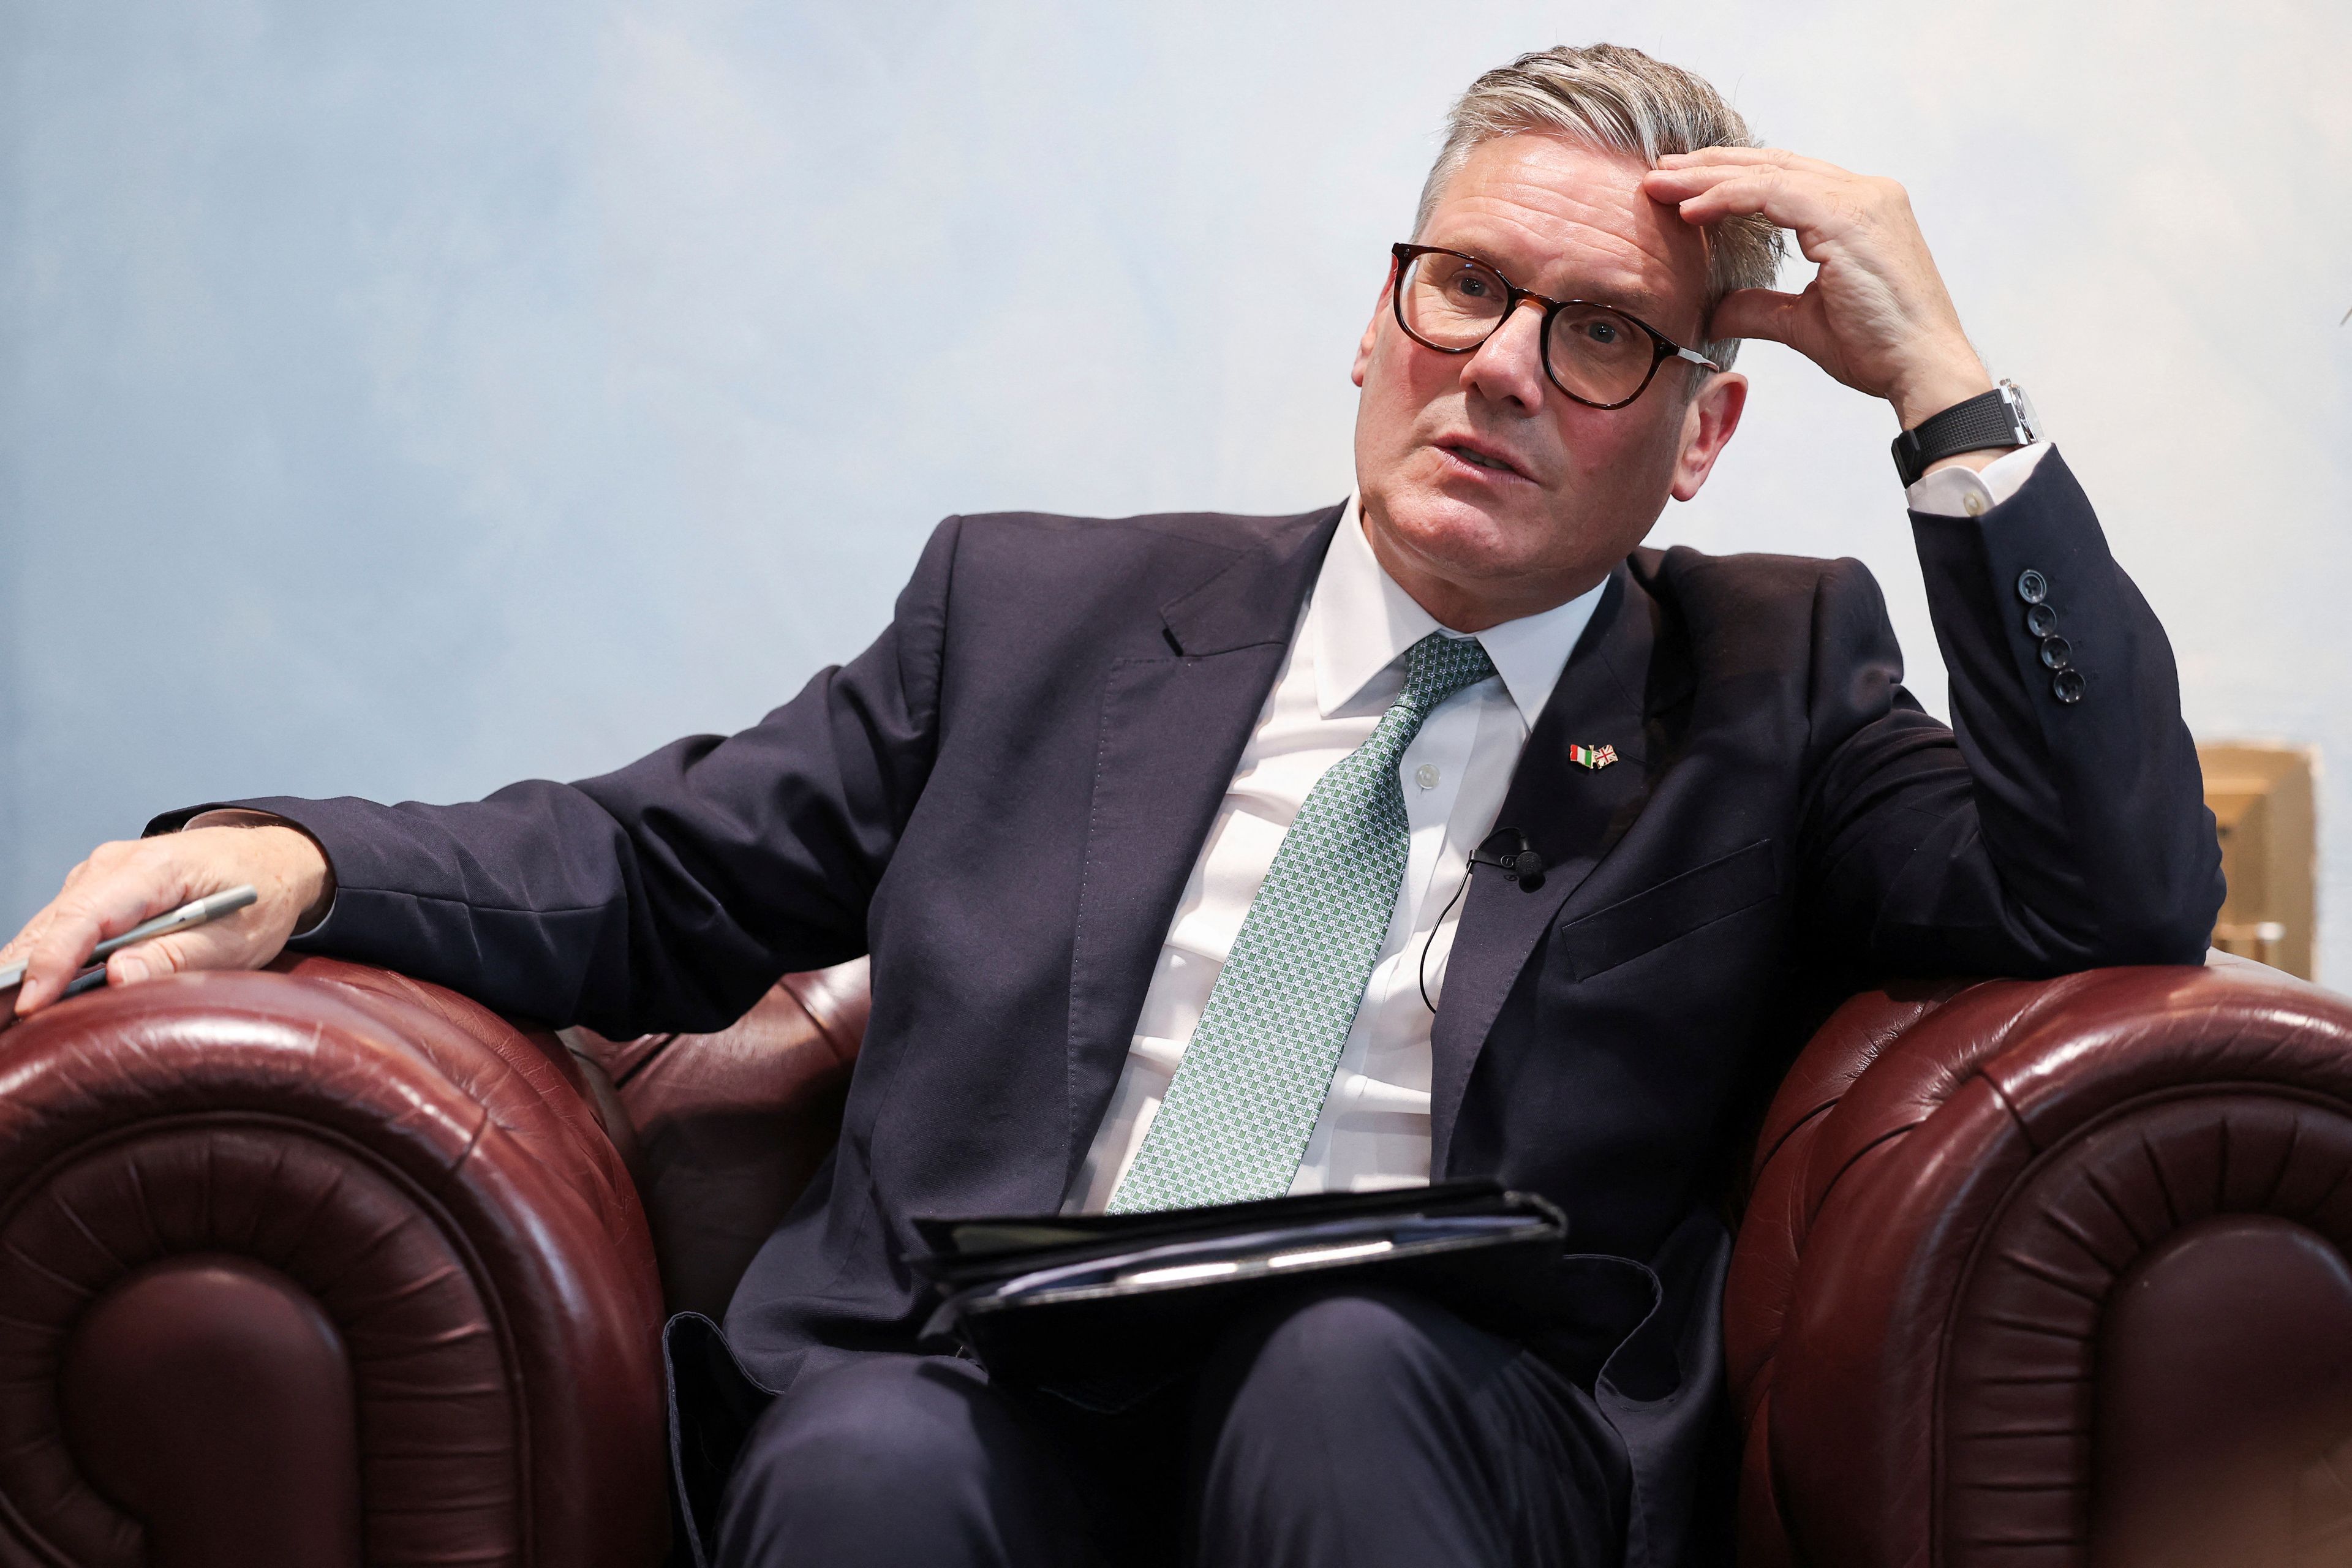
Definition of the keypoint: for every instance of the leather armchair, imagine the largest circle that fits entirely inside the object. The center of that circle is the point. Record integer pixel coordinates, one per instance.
(327, 1267)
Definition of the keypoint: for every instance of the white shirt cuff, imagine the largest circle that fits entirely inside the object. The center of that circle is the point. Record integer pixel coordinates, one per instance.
(1962, 492)
(234, 817)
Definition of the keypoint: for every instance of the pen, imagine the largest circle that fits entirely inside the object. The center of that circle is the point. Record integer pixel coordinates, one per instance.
(189, 915)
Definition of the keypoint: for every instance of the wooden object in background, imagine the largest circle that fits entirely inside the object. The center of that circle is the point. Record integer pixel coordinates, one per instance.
(2262, 797)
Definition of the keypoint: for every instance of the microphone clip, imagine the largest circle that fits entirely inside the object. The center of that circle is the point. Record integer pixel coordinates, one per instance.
(1508, 850)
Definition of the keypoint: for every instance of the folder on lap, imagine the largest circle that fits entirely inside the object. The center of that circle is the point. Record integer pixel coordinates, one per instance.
(1103, 1307)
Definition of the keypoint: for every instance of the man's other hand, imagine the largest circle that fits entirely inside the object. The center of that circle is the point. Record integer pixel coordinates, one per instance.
(1876, 316)
(122, 884)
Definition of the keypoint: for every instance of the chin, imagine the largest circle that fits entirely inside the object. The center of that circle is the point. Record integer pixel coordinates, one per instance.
(1463, 538)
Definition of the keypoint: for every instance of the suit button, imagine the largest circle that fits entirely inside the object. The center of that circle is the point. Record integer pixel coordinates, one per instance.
(2057, 653)
(2068, 686)
(2040, 620)
(2033, 587)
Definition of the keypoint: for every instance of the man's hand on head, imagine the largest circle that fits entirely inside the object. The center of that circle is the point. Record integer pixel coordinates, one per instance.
(1876, 316)
(122, 884)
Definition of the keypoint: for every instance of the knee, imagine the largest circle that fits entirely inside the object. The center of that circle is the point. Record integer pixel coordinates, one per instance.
(1367, 1426)
(1339, 1363)
(865, 1429)
(1346, 1342)
(890, 1439)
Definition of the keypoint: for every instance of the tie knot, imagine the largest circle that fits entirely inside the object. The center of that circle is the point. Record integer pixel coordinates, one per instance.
(1438, 665)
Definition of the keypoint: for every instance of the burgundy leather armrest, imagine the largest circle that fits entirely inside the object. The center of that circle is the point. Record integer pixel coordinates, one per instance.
(317, 1267)
(2043, 1273)
(733, 1124)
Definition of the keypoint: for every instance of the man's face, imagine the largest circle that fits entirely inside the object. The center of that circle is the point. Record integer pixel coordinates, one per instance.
(1578, 487)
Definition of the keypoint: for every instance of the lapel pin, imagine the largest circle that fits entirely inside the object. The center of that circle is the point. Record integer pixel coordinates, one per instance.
(1595, 757)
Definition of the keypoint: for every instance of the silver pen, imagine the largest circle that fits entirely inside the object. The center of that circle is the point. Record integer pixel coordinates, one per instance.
(201, 912)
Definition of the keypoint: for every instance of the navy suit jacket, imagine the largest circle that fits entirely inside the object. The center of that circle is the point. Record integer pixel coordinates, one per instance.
(1002, 798)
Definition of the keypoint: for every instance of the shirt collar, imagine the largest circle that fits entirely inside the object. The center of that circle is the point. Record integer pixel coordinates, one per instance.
(1361, 623)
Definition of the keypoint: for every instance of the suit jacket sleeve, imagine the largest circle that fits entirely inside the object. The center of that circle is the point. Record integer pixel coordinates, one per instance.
(2035, 835)
(668, 895)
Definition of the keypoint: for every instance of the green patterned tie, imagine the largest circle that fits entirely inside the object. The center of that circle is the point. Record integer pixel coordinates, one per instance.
(1245, 1096)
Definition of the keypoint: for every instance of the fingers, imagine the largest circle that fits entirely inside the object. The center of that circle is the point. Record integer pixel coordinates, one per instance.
(220, 945)
(122, 884)
(1753, 157)
(1876, 315)
(1760, 313)
(1708, 193)
(118, 886)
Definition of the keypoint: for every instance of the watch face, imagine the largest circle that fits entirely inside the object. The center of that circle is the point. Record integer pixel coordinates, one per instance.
(2029, 423)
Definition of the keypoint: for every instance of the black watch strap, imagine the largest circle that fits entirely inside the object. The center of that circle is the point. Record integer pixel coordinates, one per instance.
(2001, 417)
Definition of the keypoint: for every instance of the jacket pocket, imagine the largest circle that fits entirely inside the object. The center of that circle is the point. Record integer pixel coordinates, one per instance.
(1674, 908)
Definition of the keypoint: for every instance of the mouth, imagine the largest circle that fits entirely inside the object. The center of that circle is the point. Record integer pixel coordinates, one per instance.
(1478, 455)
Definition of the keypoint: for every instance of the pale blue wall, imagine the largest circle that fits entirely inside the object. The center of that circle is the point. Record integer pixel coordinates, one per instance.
(401, 398)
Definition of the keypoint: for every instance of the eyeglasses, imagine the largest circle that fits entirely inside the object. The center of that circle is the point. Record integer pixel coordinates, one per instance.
(1602, 357)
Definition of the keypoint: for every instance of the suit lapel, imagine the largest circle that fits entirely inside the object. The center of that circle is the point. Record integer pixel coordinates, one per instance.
(1571, 813)
(1172, 732)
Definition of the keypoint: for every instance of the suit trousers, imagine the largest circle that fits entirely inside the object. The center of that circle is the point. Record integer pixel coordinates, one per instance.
(1357, 1426)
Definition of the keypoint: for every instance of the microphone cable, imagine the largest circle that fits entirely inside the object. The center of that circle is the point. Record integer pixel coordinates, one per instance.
(1421, 971)
(1508, 850)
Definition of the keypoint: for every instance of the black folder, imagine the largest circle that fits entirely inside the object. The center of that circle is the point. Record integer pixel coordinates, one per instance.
(1103, 1307)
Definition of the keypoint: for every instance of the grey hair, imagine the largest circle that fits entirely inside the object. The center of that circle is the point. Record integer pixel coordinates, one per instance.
(1619, 99)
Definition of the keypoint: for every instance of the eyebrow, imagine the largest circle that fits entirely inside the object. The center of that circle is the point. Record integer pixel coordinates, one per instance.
(1644, 306)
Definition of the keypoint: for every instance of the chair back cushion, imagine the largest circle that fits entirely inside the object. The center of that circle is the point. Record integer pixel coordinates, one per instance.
(730, 1126)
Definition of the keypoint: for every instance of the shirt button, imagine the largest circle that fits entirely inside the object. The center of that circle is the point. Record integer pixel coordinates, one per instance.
(1973, 504)
(1426, 776)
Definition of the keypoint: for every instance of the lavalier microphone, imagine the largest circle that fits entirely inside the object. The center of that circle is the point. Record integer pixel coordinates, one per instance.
(1508, 850)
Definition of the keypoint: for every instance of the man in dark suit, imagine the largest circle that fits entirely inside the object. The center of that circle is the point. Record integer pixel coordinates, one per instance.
(1154, 830)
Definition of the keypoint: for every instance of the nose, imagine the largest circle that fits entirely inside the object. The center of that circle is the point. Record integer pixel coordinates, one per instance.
(1508, 366)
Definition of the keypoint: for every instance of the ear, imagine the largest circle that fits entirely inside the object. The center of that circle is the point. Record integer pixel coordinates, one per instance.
(1373, 327)
(1708, 424)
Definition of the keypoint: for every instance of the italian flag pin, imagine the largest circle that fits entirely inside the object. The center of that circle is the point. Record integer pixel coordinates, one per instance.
(1593, 756)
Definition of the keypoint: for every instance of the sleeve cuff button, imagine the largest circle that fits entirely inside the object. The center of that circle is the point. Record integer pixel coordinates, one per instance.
(2033, 587)
(2067, 687)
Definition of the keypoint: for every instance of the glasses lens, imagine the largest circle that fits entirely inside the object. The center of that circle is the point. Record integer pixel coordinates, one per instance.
(1598, 354)
(1451, 301)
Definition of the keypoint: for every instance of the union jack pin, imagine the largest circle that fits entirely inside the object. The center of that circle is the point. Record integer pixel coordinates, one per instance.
(1593, 756)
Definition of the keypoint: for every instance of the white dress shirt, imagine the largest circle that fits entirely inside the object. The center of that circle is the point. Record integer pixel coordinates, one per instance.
(1346, 665)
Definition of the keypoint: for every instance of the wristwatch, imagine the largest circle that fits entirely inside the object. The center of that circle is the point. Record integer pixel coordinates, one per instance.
(2001, 417)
